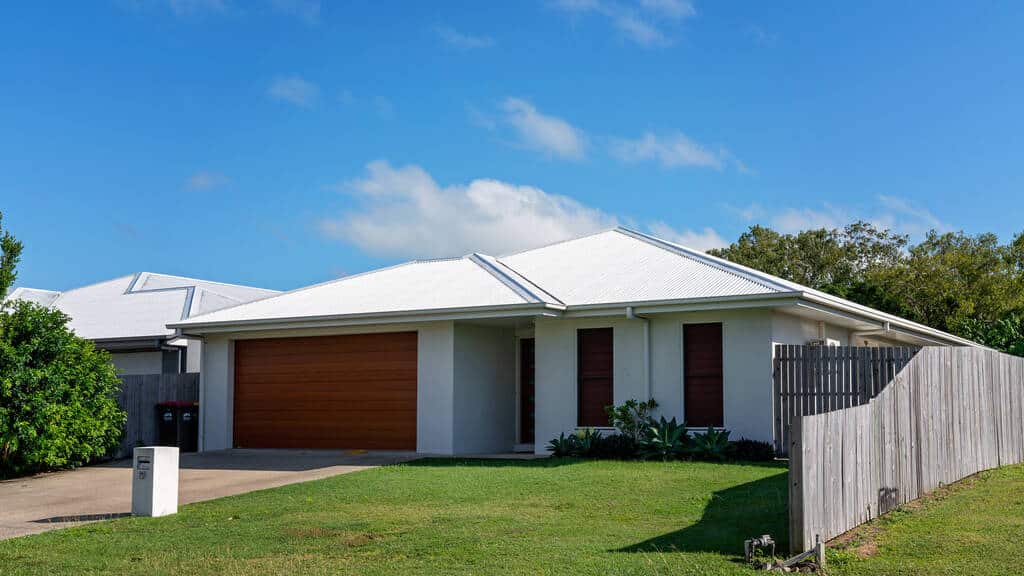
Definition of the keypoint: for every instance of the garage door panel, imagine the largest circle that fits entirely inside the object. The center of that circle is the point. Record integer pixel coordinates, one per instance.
(351, 391)
(337, 373)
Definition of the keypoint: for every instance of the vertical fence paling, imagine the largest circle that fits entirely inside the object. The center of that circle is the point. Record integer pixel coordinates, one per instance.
(139, 397)
(817, 379)
(949, 413)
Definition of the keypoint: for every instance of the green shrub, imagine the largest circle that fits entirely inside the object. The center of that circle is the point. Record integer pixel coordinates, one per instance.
(712, 445)
(58, 404)
(563, 445)
(632, 418)
(666, 440)
(587, 439)
(751, 450)
(615, 447)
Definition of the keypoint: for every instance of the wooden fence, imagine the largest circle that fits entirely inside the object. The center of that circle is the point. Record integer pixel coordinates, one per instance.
(816, 379)
(139, 397)
(951, 412)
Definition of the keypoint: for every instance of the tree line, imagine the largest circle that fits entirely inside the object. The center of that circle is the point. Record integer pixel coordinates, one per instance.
(971, 286)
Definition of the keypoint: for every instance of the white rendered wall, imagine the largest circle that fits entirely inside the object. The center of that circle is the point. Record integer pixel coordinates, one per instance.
(193, 356)
(747, 364)
(216, 400)
(485, 389)
(135, 363)
(434, 390)
(790, 329)
(555, 375)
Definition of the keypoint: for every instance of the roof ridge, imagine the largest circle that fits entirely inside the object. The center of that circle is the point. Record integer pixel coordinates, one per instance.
(524, 292)
(207, 281)
(531, 282)
(557, 242)
(765, 280)
(90, 285)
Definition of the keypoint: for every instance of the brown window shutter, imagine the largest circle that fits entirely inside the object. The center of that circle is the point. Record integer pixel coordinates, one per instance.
(702, 359)
(594, 375)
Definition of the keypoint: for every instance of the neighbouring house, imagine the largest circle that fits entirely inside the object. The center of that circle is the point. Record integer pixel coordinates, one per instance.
(481, 354)
(128, 316)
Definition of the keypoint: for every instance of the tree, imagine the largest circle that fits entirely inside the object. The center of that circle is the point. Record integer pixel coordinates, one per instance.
(971, 286)
(10, 254)
(835, 261)
(58, 404)
(953, 280)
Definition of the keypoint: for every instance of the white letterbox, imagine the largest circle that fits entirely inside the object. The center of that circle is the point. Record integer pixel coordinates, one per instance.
(155, 481)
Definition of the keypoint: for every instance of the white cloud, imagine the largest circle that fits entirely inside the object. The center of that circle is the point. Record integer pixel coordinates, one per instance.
(887, 212)
(750, 212)
(548, 134)
(206, 180)
(702, 240)
(639, 31)
(643, 21)
(405, 213)
(793, 220)
(670, 151)
(675, 9)
(294, 90)
(761, 36)
(453, 37)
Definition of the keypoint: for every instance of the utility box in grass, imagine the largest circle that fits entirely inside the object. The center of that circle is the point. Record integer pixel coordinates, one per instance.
(155, 481)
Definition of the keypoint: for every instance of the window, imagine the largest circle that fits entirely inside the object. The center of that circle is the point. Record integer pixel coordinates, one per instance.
(702, 384)
(594, 376)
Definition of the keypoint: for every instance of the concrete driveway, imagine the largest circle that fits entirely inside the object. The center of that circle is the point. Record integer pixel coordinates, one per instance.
(103, 491)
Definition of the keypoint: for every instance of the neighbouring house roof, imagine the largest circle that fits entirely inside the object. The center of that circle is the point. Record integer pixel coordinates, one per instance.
(140, 305)
(611, 269)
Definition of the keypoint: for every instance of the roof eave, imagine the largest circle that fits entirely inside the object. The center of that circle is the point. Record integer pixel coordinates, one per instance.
(394, 317)
(895, 323)
(771, 299)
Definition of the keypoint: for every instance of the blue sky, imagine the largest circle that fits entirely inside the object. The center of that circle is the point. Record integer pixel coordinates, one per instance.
(287, 142)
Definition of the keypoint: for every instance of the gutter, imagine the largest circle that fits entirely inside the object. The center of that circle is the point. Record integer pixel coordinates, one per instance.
(391, 317)
(631, 315)
(888, 322)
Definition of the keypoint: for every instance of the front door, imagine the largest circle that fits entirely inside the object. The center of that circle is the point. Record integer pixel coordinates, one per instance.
(526, 390)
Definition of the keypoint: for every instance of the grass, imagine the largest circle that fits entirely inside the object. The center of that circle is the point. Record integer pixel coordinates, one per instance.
(445, 517)
(972, 527)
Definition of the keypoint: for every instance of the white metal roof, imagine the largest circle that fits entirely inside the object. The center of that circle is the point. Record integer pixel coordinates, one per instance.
(140, 305)
(618, 267)
(41, 297)
(418, 285)
(621, 266)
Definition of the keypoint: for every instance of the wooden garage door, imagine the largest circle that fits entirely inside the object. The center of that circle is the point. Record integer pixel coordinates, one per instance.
(352, 391)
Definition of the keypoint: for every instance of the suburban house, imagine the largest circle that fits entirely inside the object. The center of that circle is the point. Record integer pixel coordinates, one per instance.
(128, 316)
(481, 354)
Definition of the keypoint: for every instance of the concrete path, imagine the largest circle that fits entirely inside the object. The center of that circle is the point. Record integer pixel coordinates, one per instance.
(61, 499)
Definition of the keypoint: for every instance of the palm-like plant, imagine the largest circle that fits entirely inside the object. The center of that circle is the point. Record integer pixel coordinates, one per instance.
(563, 445)
(665, 440)
(711, 445)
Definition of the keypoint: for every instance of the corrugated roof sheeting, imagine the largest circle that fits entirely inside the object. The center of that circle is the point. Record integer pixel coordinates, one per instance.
(614, 267)
(140, 305)
(420, 285)
(41, 297)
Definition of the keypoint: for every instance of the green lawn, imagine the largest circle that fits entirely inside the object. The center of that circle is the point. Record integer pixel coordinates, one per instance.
(972, 527)
(445, 517)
